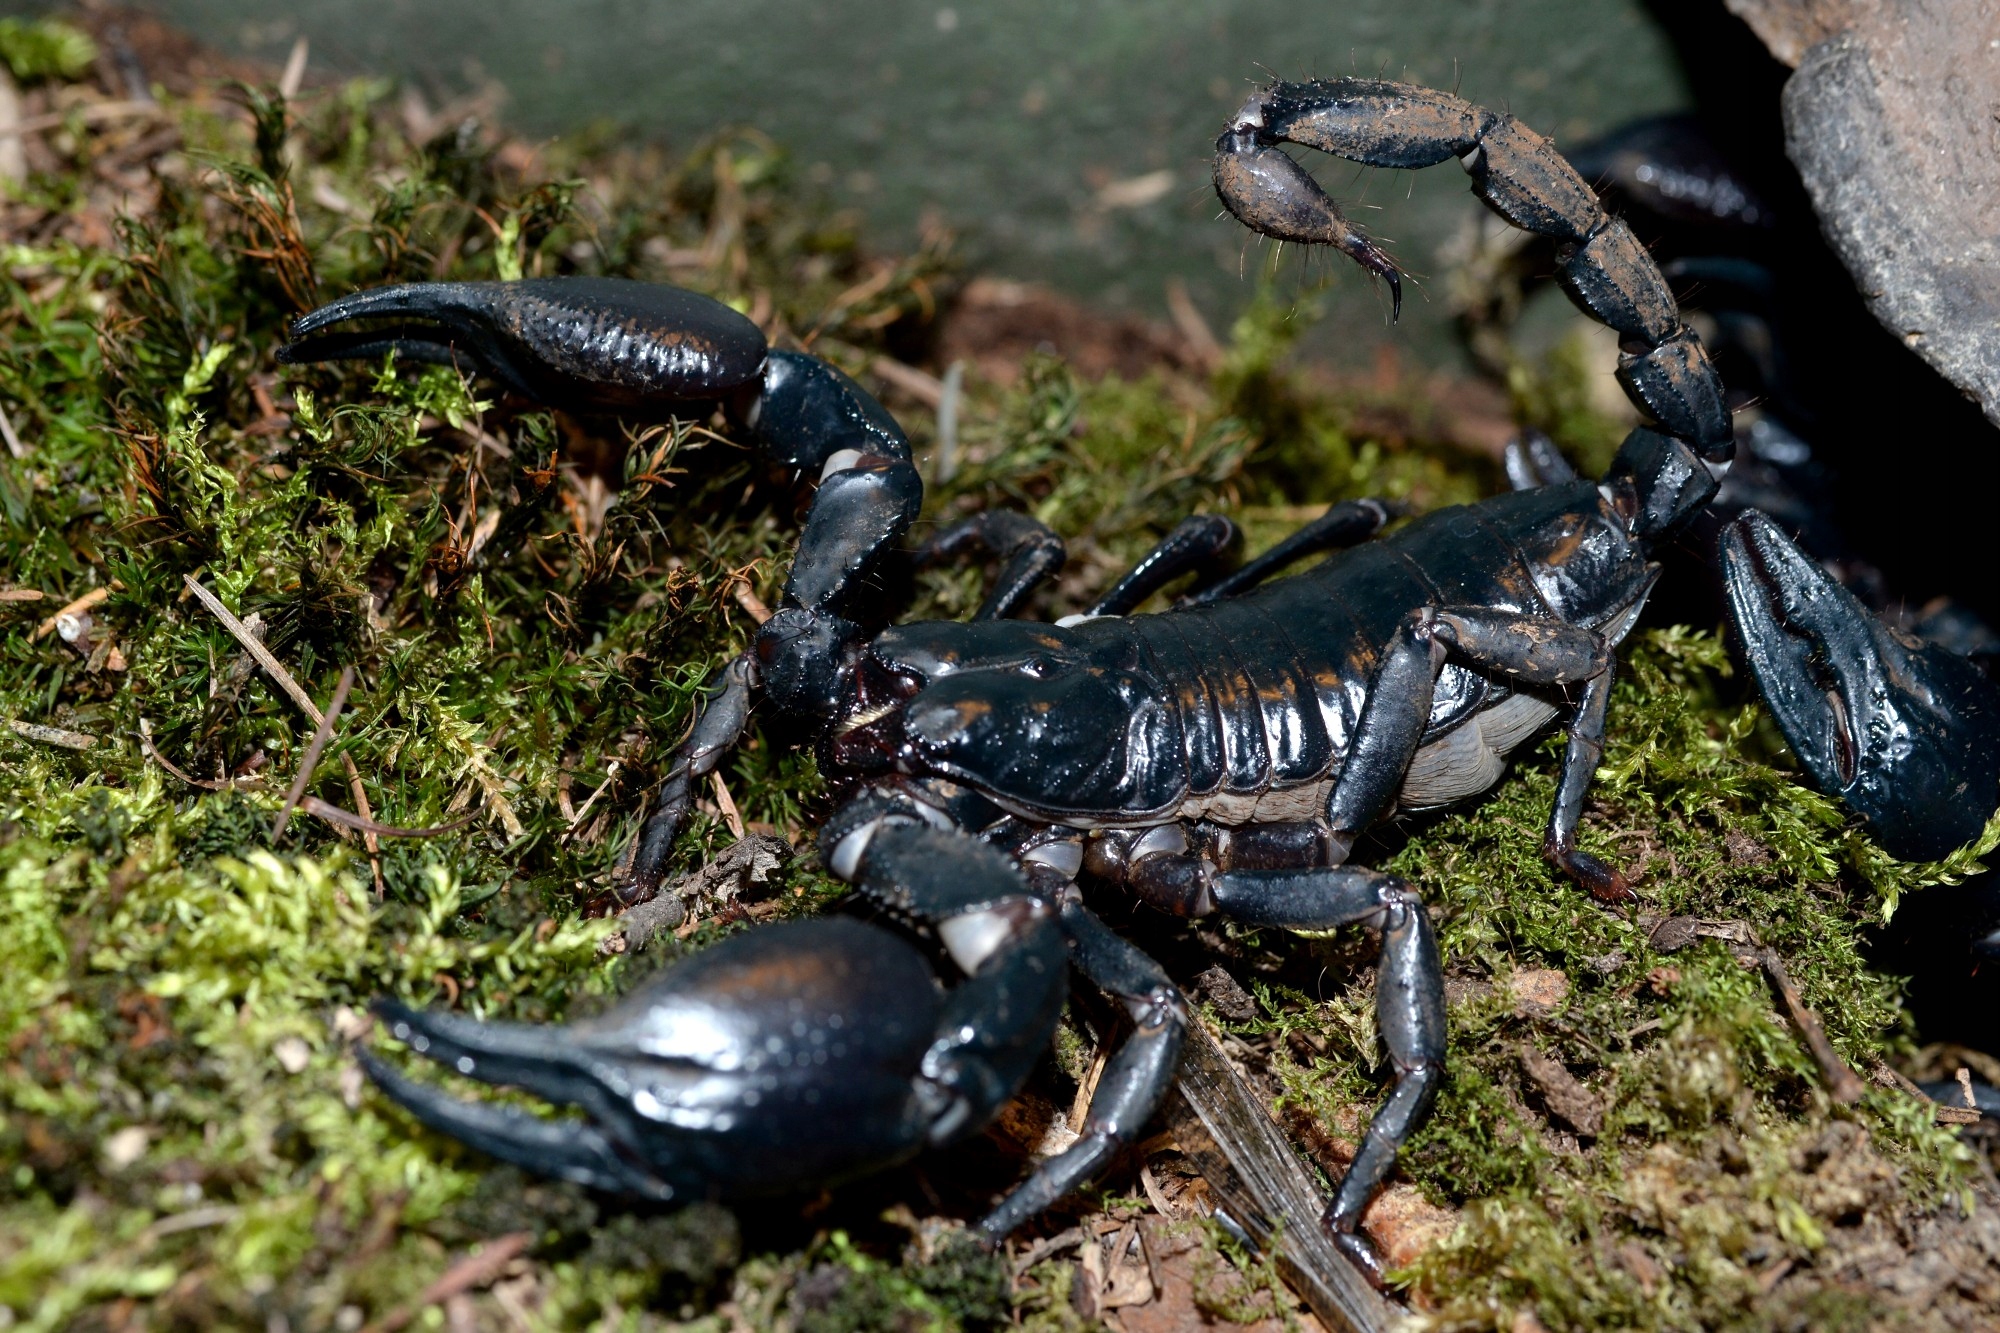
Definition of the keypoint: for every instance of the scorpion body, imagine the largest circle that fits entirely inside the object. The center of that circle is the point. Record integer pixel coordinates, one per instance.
(1219, 756)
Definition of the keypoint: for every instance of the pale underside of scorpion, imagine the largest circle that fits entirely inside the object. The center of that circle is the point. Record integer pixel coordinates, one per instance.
(1220, 756)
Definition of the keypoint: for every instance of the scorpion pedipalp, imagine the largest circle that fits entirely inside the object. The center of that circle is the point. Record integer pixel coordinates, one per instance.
(1905, 733)
(596, 344)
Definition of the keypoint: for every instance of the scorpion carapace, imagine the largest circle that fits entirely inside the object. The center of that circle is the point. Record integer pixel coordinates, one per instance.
(1219, 756)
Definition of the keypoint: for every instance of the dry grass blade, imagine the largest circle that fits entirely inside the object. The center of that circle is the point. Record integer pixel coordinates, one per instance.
(14, 445)
(255, 647)
(333, 814)
(576, 816)
(97, 113)
(276, 670)
(68, 740)
(747, 598)
(921, 385)
(77, 607)
(152, 752)
(321, 735)
(1253, 1171)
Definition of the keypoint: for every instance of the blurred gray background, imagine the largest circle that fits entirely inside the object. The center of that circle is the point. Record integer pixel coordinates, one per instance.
(1066, 142)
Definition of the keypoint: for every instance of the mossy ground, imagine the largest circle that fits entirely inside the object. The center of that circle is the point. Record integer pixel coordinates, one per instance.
(529, 601)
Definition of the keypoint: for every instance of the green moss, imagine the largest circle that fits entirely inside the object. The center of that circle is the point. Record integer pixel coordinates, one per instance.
(531, 602)
(39, 49)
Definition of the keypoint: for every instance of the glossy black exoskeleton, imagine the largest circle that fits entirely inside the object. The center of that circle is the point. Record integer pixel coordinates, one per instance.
(1218, 757)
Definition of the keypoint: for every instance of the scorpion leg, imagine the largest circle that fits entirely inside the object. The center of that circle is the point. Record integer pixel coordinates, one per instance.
(721, 717)
(1533, 460)
(1008, 939)
(1134, 1079)
(1031, 554)
(1534, 652)
(1195, 541)
(1409, 1007)
(1348, 523)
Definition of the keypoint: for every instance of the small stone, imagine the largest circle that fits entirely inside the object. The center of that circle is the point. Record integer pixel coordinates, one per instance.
(351, 1024)
(350, 1087)
(125, 1147)
(1538, 990)
(1675, 933)
(1226, 994)
(293, 1054)
(1403, 1224)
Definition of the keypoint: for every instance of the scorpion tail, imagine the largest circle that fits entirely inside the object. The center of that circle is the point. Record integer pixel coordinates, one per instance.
(1904, 733)
(1519, 175)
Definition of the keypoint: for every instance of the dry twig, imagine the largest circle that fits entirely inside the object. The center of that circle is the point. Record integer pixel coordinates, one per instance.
(333, 814)
(321, 735)
(474, 1270)
(284, 680)
(34, 731)
(75, 608)
(1842, 1084)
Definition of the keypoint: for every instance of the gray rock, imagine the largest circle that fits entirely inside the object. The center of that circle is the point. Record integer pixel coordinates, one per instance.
(1892, 127)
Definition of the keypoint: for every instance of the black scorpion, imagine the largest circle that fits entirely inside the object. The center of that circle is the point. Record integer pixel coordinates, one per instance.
(1220, 756)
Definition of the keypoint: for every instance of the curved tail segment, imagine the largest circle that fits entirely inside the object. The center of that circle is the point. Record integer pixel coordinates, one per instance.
(1519, 175)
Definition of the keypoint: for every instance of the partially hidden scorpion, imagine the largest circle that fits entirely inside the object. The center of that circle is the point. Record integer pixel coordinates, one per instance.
(1217, 757)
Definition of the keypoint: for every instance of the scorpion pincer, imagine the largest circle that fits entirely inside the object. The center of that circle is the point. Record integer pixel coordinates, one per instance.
(1217, 757)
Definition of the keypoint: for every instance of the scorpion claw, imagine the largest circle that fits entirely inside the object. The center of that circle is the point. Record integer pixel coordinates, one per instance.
(572, 1150)
(595, 344)
(1904, 733)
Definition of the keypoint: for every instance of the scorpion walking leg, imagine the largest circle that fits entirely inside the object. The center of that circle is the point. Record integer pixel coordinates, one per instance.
(1535, 652)
(1003, 935)
(1030, 550)
(1134, 1079)
(1586, 747)
(1409, 1006)
(1348, 523)
(1532, 460)
(721, 717)
(1195, 541)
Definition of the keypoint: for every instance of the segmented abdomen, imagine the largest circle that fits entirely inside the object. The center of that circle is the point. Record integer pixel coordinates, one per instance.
(1269, 686)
